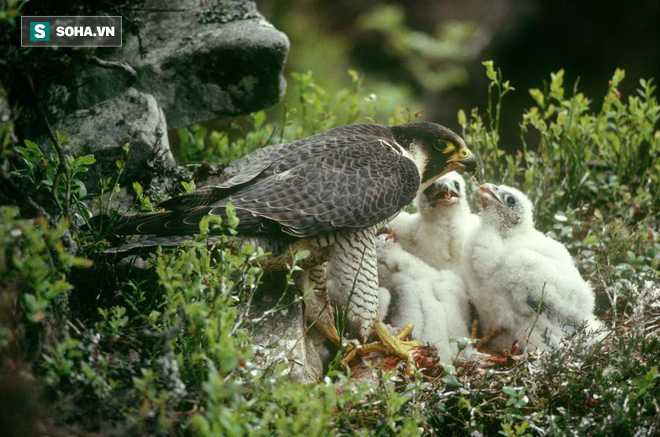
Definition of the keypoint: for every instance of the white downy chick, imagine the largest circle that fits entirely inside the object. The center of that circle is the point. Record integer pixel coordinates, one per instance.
(521, 280)
(435, 301)
(436, 234)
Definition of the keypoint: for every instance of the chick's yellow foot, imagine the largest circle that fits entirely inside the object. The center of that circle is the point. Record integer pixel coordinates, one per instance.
(388, 344)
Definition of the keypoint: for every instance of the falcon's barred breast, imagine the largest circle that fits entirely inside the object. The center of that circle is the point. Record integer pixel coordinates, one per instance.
(330, 191)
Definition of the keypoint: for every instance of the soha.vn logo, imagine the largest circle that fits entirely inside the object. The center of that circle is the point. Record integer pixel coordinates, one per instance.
(39, 31)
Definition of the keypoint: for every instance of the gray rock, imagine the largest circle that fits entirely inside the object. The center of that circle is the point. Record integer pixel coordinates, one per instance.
(103, 130)
(280, 335)
(202, 61)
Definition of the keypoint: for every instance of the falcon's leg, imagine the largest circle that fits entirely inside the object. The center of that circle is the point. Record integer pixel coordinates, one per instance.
(352, 277)
(318, 311)
(395, 344)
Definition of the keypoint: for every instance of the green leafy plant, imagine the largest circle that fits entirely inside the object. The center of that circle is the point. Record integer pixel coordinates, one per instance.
(42, 168)
(41, 263)
(481, 131)
(223, 147)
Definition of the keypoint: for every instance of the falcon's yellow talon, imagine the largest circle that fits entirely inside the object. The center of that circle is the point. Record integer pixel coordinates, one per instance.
(393, 344)
(406, 332)
(388, 344)
(329, 331)
(349, 355)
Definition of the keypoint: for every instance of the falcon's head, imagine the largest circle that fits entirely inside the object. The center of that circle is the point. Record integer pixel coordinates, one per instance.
(447, 191)
(506, 208)
(435, 150)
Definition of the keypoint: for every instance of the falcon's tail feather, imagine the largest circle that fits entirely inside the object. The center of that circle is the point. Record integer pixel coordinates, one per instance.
(164, 223)
(274, 246)
(201, 197)
(151, 244)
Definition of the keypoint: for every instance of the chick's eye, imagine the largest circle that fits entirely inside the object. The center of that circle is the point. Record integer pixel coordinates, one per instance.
(456, 185)
(510, 200)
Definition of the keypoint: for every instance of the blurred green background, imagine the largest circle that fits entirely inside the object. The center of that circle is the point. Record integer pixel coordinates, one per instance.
(427, 54)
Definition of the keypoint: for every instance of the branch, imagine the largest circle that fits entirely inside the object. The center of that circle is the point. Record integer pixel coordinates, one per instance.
(121, 65)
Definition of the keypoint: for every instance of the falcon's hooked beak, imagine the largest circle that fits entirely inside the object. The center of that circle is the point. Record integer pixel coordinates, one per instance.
(462, 160)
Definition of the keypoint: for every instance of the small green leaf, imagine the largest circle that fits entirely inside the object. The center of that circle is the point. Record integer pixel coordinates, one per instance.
(301, 255)
(511, 391)
(137, 188)
(538, 96)
(232, 220)
(86, 159)
(204, 225)
(451, 381)
(81, 262)
(188, 187)
(462, 119)
(490, 70)
(258, 119)
(590, 240)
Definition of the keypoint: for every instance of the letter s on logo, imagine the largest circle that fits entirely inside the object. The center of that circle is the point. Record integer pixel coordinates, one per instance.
(39, 31)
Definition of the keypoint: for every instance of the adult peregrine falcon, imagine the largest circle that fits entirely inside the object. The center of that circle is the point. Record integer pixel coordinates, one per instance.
(328, 193)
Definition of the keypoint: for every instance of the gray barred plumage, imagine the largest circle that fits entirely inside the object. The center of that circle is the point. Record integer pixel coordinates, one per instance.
(352, 276)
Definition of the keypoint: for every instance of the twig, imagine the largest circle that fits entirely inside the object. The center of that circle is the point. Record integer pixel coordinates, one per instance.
(37, 208)
(168, 334)
(539, 309)
(121, 65)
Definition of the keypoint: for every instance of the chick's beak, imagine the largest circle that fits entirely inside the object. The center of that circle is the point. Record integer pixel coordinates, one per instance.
(488, 195)
(443, 191)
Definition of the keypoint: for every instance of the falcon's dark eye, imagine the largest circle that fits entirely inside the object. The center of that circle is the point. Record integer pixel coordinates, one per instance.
(510, 200)
(444, 146)
(440, 145)
(456, 185)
